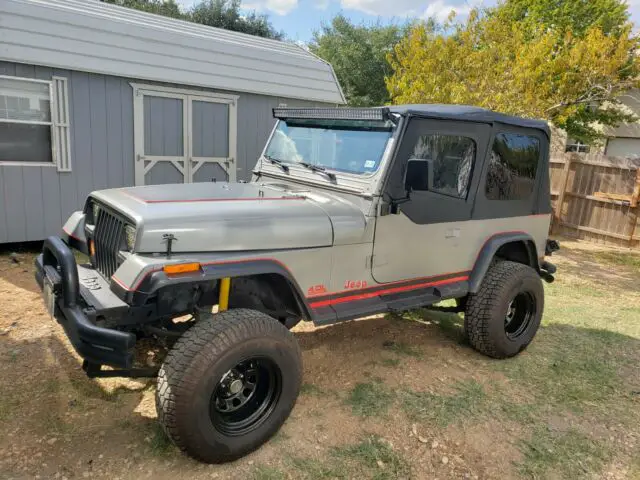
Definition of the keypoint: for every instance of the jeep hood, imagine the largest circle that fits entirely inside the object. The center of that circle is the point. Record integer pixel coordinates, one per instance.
(205, 217)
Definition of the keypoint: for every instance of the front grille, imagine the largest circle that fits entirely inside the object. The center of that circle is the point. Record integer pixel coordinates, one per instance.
(108, 239)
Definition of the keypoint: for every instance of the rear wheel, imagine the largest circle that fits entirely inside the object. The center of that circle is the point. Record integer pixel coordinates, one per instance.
(228, 385)
(504, 316)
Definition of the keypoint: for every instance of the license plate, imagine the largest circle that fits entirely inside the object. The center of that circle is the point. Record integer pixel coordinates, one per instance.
(49, 298)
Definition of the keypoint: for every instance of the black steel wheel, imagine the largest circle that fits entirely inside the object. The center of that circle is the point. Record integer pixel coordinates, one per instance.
(245, 396)
(520, 313)
(228, 385)
(502, 318)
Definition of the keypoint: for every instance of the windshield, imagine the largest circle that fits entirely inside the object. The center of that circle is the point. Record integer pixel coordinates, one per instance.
(345, 146)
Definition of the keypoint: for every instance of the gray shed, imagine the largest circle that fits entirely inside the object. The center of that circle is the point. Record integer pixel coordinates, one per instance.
(96, 96)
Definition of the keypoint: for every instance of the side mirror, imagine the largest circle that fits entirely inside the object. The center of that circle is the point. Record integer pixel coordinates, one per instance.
(419, 175)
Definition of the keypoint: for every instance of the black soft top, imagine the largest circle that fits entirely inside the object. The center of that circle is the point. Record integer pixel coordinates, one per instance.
(468, 113)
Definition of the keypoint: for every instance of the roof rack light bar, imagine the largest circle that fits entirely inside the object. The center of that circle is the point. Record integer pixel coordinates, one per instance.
(380, 114)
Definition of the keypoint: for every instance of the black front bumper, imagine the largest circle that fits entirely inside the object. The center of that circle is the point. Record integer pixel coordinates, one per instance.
(101, 346)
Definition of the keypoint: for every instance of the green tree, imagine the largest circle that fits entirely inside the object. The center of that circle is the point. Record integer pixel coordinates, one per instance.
(520, 68)
(577, 16)
(168, 8)
(226, 14)
(214, 13)
(358, 54)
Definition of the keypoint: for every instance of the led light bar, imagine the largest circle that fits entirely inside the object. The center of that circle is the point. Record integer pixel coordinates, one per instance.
(380, 114)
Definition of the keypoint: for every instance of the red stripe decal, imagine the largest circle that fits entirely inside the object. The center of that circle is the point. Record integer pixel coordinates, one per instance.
(204, 264)
(364, 296)
(257, 199)
(243, 199)
(379, 285)
(72, 235)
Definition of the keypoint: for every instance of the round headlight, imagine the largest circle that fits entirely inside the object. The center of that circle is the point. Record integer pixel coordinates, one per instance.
(130, 236)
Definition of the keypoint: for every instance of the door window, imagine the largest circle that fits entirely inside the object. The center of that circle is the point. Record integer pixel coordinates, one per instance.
(451, 158)
(513, 165)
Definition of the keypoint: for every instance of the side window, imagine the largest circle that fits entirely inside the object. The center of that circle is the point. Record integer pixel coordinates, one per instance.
(513, 164)
(450, 159)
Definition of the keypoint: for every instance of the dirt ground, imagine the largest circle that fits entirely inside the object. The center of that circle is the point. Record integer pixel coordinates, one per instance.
(388, 397)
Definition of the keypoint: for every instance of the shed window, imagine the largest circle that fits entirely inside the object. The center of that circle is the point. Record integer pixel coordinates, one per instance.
(34, 126)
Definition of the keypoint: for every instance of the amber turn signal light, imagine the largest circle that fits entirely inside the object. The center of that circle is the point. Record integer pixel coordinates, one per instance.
(181, 268)
(92, 248)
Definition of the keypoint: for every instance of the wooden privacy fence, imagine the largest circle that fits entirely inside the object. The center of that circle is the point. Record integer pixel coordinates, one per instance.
(596, 198)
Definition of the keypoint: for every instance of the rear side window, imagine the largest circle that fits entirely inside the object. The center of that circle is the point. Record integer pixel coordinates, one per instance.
(513, 165)
(452, 157)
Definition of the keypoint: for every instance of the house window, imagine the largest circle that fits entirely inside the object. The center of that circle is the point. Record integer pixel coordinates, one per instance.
(577, 146)
(513, 165)
(452, 158)
(34, 126)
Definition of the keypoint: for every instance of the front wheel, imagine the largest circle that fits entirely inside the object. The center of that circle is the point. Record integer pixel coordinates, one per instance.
(502, 318)
(228, 385)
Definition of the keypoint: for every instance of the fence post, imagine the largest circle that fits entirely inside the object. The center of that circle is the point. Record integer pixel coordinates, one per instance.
(563, 187)
(635, 203)
(635, 198)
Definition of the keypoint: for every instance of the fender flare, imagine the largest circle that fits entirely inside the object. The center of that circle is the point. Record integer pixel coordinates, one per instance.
(154, 280)
(489, 250)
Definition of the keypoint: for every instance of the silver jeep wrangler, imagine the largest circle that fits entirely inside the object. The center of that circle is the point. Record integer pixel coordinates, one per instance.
(350, 212)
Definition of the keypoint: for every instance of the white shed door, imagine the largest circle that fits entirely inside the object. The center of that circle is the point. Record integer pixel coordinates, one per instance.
(183, 137)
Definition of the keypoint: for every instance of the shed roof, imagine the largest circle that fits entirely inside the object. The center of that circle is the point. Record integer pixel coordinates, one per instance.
(469, 113)
(92, 36)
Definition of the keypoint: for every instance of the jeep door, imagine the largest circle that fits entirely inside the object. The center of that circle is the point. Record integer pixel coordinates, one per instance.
(428, 233)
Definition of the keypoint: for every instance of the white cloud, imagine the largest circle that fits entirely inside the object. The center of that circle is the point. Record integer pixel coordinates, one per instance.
(280, 7)
(439, 9)
(321, 4)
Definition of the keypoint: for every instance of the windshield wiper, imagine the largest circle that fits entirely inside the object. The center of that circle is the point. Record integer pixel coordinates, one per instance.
(278, 162)
(320, 169)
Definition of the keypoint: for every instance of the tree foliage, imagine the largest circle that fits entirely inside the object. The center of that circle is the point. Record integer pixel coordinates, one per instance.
(226, 14)
(168, 8)
(577, 16)
(214, 13)
(522, 68)
(358, 54)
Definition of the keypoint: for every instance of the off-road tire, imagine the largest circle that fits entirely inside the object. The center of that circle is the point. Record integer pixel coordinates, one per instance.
(194, 367)
(485, 313)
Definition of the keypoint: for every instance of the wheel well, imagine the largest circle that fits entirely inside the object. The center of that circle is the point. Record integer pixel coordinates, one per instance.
(520, 251)
(269, 293)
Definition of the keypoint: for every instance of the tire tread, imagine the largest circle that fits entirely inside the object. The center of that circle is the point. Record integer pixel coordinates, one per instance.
(186, 362)
(481, 305)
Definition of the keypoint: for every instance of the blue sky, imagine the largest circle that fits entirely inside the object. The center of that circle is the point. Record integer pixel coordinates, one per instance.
(299, 18)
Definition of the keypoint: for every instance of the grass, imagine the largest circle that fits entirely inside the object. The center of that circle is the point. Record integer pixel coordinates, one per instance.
(565, 408)
(443, 409)
(569, 454)
(370, 399)
(390, 362)
(265, 472)
(315, 469)
(619, 258)
(403, 349)
(371, 457)
(375, 459)
(159, 442)
(310, 389)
